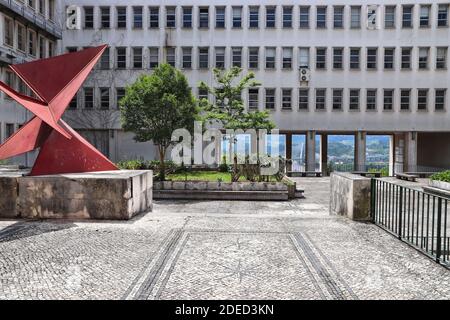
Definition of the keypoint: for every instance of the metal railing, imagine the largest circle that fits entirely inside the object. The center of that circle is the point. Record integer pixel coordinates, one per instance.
(413, 216)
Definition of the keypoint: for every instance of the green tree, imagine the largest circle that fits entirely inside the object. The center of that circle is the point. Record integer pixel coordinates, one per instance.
(157, 104)
(228, 109)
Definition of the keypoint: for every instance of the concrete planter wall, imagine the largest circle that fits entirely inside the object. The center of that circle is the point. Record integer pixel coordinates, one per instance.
(440, 185)
(220, 186)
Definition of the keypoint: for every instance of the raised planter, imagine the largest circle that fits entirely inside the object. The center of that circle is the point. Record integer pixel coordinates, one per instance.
(209, 190)
(440, 185)
(440, 188)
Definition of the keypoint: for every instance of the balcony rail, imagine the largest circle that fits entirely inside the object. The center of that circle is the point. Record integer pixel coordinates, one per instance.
(23, 10)
(413, 216)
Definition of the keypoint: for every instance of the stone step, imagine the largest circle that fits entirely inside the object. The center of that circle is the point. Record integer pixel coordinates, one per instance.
(220, 195)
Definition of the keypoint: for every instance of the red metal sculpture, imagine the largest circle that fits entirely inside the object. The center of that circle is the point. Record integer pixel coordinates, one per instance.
(54, 81)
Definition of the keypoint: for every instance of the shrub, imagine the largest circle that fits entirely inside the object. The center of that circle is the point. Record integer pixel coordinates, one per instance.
(441, 176)
(132, 165)
(224, 167)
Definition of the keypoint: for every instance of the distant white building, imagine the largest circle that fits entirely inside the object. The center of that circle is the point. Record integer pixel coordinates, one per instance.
(28, 30)
(326, 67)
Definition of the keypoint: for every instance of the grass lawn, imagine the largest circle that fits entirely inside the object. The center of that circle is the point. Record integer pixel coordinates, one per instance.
(203, 176)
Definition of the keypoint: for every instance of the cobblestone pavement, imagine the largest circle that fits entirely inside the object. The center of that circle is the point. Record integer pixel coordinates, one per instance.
(216, 250)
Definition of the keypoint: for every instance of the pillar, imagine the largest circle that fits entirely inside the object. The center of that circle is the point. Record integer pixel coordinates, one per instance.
(288, 151)
(324, 153)
(311, 151)
(360, 151)
(410, 164)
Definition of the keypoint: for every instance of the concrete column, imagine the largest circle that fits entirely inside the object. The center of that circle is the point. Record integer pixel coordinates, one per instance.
(324, 153)
(360, 151)
(311, 151)
(410, 164)
(289, 151)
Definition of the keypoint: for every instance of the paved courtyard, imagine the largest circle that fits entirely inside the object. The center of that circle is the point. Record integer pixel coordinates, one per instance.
(216, 250)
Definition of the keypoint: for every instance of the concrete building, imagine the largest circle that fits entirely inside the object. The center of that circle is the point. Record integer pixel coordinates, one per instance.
(326, 67)
(28, 30)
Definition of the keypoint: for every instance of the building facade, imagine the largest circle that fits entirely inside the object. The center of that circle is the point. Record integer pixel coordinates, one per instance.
(29, 29)
(326, 67)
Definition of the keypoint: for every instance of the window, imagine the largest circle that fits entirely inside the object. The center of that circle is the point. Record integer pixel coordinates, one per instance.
(303, 98)
(104, 60)
(22, 88)
(41, 47)
(442, 20)
(439, 102)
(371, 58)
(9, 79)
(21, 38)
(137, 18)
(253, 58)
(354, 99)
(220, 17)
(9, 32)
(422, 99)
(51, 9)
(303, 57)
(220, 57)
(338, 17)
(304, 17)
(120, 93)
(405, 99)
(389, 17)
(355, 17)
(321, 17)
(253, 17)
(389, 58)
(406, 58)
(425, 16)
(270, 57)
(287, 17)
(72, 49)
(321, 58)
(321, 99)
(154, 17)
(170, 56)
(104, 98)
(441, 58)
(270, 17)
(337, 99)
(202, 94)
(423, 58)
(42, 7)
(121, 58)
(187, 58)
(270, 99)
(153, 57)
(32, 43)
(236, 57)
(253, 95)
(88, 17)
(137, 58)
(388, 99)
(371, 99)
(170, 17)
(121, 17)
(407, 16)
(286, 99)
(88, 98)
(287, 58)
(105, 17)
(187, 17)
(203, 17)
(203, 55)
(237, 17)
(337, 58)
(51, 49)
(9, 130)
(73, 104)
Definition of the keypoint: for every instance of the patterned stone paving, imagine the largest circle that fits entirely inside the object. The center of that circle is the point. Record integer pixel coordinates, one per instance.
(216, 250)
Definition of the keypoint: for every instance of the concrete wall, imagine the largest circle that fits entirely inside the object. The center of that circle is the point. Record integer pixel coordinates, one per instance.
(350, 196)
(434, 150)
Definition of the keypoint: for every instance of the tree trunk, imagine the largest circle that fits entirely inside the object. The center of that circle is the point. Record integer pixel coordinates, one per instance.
(162, 165)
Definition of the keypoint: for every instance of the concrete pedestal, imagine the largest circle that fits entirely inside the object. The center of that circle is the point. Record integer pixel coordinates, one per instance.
(117, 195)
(9, 192)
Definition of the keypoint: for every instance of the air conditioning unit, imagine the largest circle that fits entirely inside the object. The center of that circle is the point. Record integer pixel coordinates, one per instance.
(305, 74)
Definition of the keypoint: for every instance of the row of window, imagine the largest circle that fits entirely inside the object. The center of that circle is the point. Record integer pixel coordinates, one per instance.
(45, 8)
(26, 40)
(289, 16)
(354, 101)
(392, 58)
